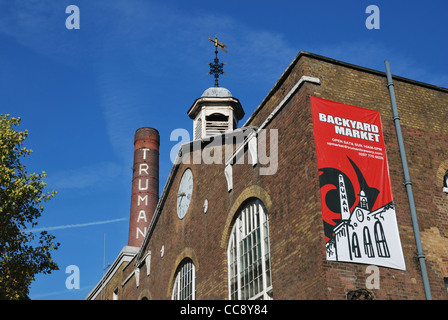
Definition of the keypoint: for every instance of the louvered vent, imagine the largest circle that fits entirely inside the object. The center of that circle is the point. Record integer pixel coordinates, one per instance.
(198, 129)
(216, 123)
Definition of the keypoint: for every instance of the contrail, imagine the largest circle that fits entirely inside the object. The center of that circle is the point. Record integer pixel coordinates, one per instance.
(58, 293)
(79, 225)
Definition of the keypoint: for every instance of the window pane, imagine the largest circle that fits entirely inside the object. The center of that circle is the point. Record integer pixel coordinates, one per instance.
(250, 256)
(183, 288)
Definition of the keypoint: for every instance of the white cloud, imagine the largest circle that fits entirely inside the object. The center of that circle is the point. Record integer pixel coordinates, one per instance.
(370, 54)
(98, 175)
(78, 225)
(130, 45)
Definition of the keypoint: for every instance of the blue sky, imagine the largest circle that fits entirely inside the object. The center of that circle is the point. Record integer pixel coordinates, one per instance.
(134, 63)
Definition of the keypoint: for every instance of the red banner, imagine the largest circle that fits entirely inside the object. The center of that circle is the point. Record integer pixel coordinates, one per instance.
(357, 204)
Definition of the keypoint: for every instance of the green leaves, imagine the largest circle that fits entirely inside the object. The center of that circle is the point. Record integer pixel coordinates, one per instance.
(21, 198)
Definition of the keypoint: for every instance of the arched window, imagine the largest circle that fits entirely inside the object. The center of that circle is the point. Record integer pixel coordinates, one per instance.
(184, 285)
(355, 246)
(217, 117)
(368, 248)
(248, 254)
(381, 243)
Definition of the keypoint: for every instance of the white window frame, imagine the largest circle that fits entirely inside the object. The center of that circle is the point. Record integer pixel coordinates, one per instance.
(184, 287)
(251, 228)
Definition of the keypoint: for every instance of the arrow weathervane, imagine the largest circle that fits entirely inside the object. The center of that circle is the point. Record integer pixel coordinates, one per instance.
(216, 68)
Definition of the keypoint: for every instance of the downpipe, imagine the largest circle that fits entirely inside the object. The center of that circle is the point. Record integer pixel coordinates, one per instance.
(407, 183)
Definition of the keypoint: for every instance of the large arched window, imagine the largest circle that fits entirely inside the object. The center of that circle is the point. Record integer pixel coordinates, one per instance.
(368, 248)
(248, 254)
(381, 243)
(184, 287)
(355, 246)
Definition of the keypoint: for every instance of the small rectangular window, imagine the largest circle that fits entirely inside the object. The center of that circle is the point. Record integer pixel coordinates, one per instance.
(115, 294)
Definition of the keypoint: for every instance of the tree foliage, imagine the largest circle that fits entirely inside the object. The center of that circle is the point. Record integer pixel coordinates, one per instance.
(23, 253)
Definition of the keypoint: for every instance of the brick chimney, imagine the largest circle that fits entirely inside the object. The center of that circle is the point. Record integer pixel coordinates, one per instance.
(145, 183)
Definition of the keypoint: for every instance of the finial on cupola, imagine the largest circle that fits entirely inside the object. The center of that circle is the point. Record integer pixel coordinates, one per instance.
(216, 67)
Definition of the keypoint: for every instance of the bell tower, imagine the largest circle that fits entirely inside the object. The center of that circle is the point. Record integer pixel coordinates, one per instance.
(216, 111)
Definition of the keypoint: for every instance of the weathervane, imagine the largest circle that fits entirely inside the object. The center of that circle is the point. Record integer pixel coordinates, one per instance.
(216, 68)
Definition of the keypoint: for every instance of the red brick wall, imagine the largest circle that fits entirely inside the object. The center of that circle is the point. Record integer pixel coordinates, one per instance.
(291, 196)
(423, 114)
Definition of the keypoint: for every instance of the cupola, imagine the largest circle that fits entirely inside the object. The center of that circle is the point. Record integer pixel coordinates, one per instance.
(215, 112)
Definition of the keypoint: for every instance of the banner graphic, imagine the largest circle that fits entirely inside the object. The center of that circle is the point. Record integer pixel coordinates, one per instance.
(358, 212)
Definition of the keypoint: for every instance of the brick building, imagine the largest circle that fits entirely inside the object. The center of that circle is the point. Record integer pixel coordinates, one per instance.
(240, 215)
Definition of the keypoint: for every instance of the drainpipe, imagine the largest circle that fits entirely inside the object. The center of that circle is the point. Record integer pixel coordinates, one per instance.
(407, 183)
